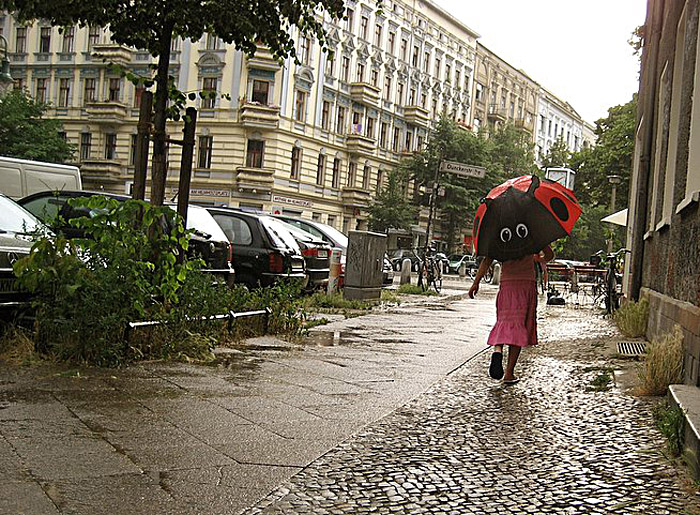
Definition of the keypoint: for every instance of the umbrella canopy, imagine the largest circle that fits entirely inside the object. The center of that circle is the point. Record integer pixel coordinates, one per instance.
(619, 218)
(522, 216)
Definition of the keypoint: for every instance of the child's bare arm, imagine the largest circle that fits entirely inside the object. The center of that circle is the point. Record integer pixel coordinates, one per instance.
(483, 268)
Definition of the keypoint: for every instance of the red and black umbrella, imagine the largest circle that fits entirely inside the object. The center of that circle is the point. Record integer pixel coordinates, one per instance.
(522, 216)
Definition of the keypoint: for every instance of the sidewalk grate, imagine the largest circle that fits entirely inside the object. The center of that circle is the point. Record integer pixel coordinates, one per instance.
(631, 348)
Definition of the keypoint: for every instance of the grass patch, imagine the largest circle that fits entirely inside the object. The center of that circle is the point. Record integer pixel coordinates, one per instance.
(390, 297)
(414, 289)
(315, 322)
(671, 422)
(632, 318)
(663, 364)
(17, 346)
(603, 381)
(336, 301)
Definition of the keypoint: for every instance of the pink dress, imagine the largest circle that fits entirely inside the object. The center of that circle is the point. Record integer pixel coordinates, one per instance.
(516, 305)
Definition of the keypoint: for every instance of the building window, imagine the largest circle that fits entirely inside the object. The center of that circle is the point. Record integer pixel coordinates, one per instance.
(374, 74)
(380, 180)
(399, 93)
(335, 179)
(94, 35)
(110, 146)
(85, 145)
(426, 62)
(340, 121)
(63, 92)
(254, 155)
(132, 149)
(356, 123)
(395, 140)
(448, 72)
(378, 35)
(330, 66)
(115, 86)
(304, 50)
(383, 128)
(352, 169)
(138, 95)
(391, 42)
(260, 92)
(370, 127)
(300, 106)
(68, 37)
(211, 42)
(206, 147)
(331, 220)
(423, 99)
(209, 87)
(18, 84)
(42, 90)
(414, 60)
(366, 172)
(387, 88)
(364, 21)
(433, 107)
(345, 69)
(409, 141)
(458, 77)
(320, 169)
(325, 115)
(296, 163)
(21, 40)
(412, 97)
(89, 89)
(438, 64)
(350, 19)
(404, 48)
(45, 40)
(479, 95)
(360, 72)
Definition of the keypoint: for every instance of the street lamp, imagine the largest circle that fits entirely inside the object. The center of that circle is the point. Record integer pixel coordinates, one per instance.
(614, 180)
(5, 77)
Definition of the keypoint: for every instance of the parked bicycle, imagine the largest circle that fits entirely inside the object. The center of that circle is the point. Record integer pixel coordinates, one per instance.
(430, 274)
(607, 291)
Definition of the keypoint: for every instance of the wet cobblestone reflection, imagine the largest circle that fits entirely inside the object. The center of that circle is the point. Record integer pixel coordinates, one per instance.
(472, 446)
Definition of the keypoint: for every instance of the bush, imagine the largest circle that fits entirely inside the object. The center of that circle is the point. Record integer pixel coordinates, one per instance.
(632, 318)
(671, 422)
(663, 364)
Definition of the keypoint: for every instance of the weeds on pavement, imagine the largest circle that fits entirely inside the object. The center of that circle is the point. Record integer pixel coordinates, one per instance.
(632, 318)
(671, 422)
(663, 363)
(413, 289)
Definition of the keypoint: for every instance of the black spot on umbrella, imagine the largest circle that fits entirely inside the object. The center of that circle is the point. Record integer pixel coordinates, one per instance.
(559, 209)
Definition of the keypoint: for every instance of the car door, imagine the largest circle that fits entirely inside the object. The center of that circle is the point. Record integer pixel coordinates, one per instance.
(247, 251)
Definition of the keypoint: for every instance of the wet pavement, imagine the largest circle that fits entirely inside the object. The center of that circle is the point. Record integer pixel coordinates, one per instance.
(386, 413)
(175, 438)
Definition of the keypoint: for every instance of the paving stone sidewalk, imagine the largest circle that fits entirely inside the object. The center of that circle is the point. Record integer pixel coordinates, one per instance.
(470, 445)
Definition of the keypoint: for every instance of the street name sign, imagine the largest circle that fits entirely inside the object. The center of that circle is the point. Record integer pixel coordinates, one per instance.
(462, 169)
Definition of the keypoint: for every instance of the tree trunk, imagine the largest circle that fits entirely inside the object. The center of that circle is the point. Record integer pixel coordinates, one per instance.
(159, 164)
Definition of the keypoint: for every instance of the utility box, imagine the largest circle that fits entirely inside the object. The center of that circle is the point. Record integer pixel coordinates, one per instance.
(364, 265)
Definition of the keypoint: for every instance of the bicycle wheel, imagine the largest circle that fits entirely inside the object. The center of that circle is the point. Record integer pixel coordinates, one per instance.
(437, 279)
(488, 276)
(612, 302)
(423, 277)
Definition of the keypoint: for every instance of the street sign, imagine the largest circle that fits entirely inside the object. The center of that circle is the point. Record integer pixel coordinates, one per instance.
(462, 169)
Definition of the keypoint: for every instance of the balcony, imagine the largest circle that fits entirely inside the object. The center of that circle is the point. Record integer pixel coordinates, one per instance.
(353, 196)
(498, 114)
(112, 53)
(263, 60)
(106, 112)
(359, 143)
(416, 115)
(256, 115)
(526, 125)
(102, 171)
(364, 93)
(255, 180)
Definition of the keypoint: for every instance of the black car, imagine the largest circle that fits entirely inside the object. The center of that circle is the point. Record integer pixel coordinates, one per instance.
(400, 254)
(317, 254)
(17, 229)
(264, 251)
(207, 240)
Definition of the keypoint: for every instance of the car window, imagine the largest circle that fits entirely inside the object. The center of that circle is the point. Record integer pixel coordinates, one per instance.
(236, 230)
(44, 208)
(202, 222)
(281, 237)
(335, 236)
(13, 218)
(310, 229)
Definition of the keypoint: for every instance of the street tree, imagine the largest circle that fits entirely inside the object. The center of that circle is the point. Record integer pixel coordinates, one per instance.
(558, 154)
(26, 134)
(152, 24)
(511, 152)
(392, 209)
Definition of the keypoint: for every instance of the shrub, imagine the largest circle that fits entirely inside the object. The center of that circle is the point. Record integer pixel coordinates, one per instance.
(632, 318)
(671, 422)
(663, 363)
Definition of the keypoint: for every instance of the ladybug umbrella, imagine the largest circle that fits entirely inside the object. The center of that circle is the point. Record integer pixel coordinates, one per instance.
(522, 216)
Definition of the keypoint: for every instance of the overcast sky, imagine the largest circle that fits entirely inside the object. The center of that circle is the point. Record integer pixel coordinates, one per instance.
(577, 49)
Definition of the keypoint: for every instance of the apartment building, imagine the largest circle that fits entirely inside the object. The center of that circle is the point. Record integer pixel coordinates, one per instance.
(313, 138)
(556, 120)
(502, 94)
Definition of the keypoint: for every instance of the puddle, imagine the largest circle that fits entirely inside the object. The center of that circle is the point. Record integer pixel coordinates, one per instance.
(332, 338)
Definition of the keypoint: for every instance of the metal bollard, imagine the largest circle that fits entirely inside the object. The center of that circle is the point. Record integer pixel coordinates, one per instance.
(462, 270)
(496, 274)
(405, 271)
(334, 276)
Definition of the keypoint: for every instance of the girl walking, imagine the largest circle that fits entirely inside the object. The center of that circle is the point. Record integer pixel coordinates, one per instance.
(516, 310)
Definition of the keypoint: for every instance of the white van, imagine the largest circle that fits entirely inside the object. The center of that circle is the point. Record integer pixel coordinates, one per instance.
(19, 177)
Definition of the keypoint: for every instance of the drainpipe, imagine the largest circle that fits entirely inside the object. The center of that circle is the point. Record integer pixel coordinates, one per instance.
(650, 55)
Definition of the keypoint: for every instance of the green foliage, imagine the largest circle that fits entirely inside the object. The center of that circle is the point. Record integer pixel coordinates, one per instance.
(671, 422)
(335, 301)
(632, 318)
(391, 209)
(413, 289)
(558, 154)
(588, 236)
(663, 363)
(511, 153)
(26, 134)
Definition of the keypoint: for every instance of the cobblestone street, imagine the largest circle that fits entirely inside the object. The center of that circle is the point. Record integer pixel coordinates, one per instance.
(548, 445)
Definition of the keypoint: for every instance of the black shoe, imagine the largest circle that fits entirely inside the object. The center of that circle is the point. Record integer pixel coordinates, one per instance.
(496, 368)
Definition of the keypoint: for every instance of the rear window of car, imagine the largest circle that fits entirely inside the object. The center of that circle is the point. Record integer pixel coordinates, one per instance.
(280, 236)
(44, 208)
(200, 220)
(236, 229)
(13, 218)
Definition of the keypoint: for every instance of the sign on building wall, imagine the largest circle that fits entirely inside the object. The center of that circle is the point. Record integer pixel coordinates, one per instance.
(278, 199)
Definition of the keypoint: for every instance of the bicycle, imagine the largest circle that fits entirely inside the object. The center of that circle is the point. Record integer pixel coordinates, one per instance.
(430, 272)
(607, 290)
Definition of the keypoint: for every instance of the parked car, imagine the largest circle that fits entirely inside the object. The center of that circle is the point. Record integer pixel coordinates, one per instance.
(442, 260)
(387, 271)
(264, 251)
(455, 261)
(17, 229)
(21, 177)
(400, 254)
(207, 241)
(317, 254)
(327, 233)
